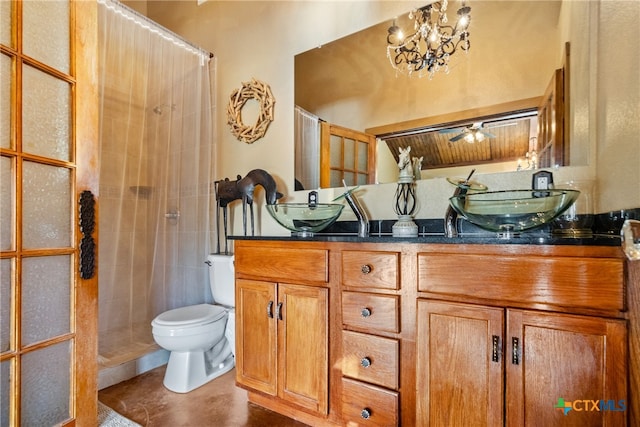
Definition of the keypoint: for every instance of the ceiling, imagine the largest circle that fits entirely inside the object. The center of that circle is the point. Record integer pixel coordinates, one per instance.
(511, 141)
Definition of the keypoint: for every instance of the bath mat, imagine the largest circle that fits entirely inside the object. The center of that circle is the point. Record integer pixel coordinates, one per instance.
(107, 417)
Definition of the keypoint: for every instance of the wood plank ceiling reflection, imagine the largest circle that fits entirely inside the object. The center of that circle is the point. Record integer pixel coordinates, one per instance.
(510, 143)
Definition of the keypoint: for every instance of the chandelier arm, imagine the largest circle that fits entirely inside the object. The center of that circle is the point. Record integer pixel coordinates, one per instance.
(432, 43)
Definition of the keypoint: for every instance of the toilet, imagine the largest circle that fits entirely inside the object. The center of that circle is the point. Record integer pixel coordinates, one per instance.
(201, 338)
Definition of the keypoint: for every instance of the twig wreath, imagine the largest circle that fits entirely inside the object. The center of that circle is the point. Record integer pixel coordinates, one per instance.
(259, 91)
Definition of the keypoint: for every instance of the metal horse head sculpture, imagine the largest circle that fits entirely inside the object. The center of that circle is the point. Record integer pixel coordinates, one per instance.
(242, 189)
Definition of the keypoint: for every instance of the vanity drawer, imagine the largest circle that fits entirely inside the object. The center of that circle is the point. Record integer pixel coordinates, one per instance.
(593, 283)
(283, 264)
(370, 358)
(371, 311)
(371, 269)
(368, 405)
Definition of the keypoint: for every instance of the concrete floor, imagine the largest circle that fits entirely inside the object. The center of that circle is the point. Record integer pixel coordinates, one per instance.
(145, 400)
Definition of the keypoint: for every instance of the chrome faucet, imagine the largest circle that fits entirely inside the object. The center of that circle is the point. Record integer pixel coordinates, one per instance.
(358, 210)
(451, 224)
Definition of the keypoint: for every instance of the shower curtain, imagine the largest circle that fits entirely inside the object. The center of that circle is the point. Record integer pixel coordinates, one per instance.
(307, 149)
(156, 170)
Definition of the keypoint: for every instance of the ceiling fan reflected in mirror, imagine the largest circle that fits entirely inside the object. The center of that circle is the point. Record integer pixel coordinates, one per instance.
(476, 132)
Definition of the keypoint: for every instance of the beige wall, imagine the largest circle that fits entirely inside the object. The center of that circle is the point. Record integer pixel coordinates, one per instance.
(617, 115)
(260, 38)
(352, 84)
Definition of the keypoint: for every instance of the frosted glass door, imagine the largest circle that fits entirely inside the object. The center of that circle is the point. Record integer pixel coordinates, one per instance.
(43, 350)
(346, 154)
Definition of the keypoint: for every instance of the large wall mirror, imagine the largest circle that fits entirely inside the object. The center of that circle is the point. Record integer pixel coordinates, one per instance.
(516, 48)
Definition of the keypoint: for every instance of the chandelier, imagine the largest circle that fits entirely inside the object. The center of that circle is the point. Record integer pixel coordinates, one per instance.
(433, 42)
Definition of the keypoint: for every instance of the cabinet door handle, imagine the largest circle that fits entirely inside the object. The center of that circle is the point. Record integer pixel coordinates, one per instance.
(279, 311)
(365, 413)
(514, 351)
(365, 362)
(366, 269)
(365, 312)
(495, 353)
(270, 310)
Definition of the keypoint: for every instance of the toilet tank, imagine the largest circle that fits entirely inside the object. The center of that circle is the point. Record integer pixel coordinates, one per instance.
(222, 279)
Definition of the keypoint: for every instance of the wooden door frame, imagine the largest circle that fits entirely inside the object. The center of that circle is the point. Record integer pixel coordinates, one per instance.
(86, 133)
(327, 131)
(551, 111)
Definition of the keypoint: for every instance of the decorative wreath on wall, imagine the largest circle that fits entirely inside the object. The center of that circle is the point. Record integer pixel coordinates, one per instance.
(259, 91)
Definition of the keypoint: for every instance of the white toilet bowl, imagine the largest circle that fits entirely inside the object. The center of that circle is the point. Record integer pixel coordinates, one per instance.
(201, 343)
(201, 338)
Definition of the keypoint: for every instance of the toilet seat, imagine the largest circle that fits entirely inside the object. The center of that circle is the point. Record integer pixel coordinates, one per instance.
(190, 316)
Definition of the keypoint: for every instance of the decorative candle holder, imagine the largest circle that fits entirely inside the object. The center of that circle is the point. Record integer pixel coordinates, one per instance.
(405, 198)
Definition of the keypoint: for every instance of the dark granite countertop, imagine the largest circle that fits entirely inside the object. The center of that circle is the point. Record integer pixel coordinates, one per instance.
(430, 231)
(523, 239)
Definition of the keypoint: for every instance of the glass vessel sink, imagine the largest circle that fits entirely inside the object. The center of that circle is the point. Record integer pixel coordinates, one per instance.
(304, 219)
(512, 211)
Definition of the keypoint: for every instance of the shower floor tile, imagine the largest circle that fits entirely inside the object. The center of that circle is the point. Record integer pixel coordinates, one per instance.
(145, 400)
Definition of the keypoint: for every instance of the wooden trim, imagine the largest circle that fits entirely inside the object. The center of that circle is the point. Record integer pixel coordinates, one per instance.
(633, 318)
(84, 16)
(550, 144)
(277, 405)
(458, 116)
(566, 66)
(325, 154)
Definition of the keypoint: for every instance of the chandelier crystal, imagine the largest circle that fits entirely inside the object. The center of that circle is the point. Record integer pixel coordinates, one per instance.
(430, 47)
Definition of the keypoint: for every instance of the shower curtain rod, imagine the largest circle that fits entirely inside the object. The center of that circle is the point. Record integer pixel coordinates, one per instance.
(154, 27)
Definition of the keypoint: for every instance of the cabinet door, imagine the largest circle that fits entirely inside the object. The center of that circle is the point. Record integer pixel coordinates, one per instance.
(303, 346)
(459, 364)
(256, 335)
(564, 361)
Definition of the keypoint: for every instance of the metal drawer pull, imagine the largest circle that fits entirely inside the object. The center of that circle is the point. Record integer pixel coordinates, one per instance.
(279, 311)
(366, 269)
(365, 312)
(365, 362)
(514, 349)
(495, 354)
(365, 413)
(270, 310)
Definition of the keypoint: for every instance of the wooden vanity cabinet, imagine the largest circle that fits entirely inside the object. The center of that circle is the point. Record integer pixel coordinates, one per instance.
(256, 338)
(551, 356)
(500, 348)
(282, 331)
(463, 356)
(438, 334)
(285, 352)
(459, 364)
(370, 280)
